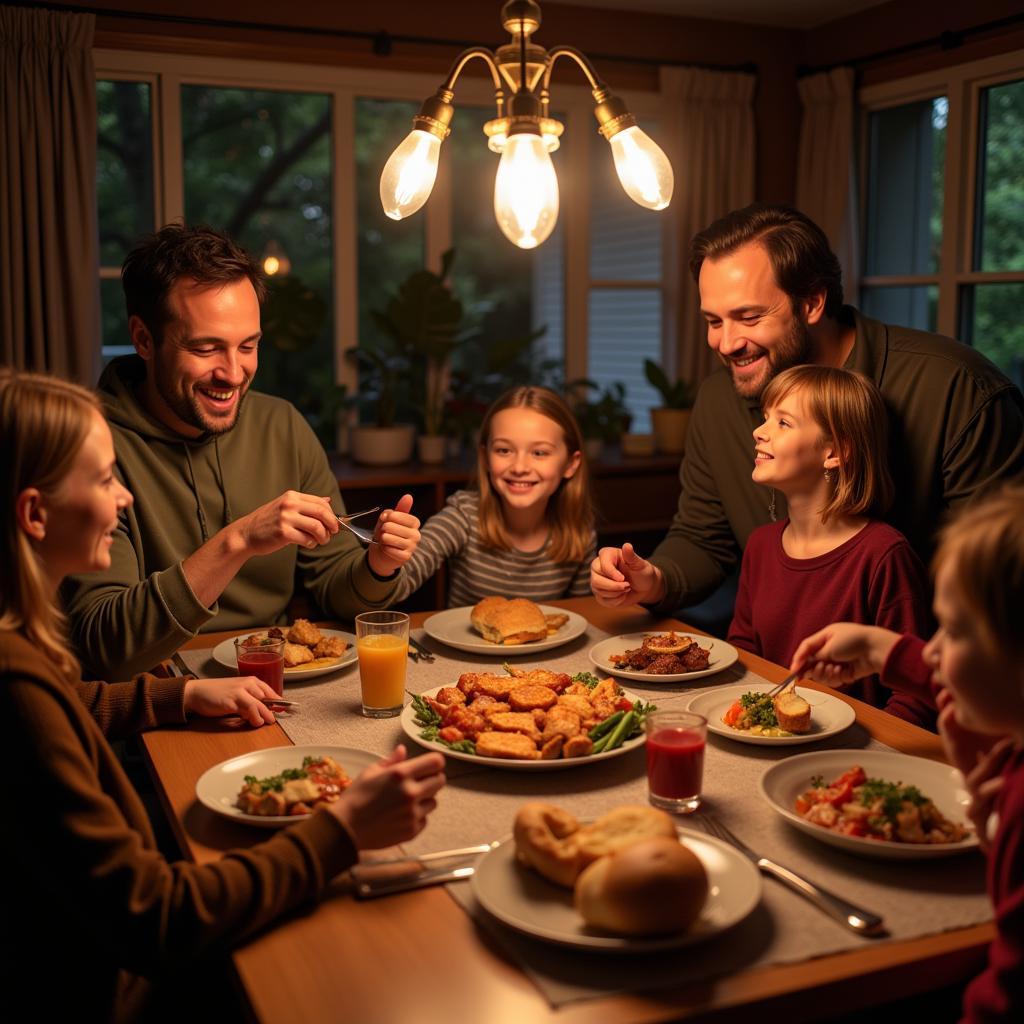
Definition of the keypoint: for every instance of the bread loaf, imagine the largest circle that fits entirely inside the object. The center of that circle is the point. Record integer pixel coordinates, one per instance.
(620, 828)
(792, 712)
(502, 621)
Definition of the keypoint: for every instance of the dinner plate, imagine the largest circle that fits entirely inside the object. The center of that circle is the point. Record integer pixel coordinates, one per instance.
(218, 787)
(412, 730)
(721, 657)
(829, 715)
(224, 653)
(453, 628)
(781, 784)
(523, 900)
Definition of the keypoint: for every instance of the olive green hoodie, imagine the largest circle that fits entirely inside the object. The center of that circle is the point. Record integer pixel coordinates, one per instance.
(142, 609)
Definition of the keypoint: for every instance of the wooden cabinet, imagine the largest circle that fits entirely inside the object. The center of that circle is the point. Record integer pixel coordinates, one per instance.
(634, 499)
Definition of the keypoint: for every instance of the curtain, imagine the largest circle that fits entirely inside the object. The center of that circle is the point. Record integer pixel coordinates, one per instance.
(710, 141)
(49, 252)
(826, 177)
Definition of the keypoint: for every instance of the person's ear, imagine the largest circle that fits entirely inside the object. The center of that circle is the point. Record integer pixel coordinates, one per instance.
(832, 456)
(813, 308)
(574, 464)
(30, 513)
(141, 337)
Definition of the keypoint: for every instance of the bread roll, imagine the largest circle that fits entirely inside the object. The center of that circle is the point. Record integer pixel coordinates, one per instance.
(501, 621)
(651, 887)
(545, 841)
(793, 712)
(622, 827)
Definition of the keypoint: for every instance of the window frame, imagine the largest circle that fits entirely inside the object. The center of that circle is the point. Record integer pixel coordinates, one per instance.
(962, 84)
(167, 72)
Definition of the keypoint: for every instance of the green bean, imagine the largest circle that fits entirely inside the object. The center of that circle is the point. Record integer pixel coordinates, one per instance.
(605, 726)
(620, 731)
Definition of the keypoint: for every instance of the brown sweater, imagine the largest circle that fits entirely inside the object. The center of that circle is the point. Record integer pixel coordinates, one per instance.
(91, 907)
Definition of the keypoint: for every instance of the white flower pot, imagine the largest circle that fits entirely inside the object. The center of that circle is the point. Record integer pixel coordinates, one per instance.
(382, 446)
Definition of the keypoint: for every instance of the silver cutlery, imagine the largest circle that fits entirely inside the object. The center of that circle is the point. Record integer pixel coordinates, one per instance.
(366, 536)
(776, 690)
(423, 858)
(858, 920)
(418, 652)
(385, 887)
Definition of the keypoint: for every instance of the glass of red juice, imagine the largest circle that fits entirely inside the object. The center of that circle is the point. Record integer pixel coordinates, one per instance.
(675, 759)
(263, 659)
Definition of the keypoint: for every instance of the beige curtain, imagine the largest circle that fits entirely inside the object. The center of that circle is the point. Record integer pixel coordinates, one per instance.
(49, 292)
(826, 178)
(710, 140)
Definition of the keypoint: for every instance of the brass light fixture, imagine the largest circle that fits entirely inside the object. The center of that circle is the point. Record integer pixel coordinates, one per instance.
(525, 189)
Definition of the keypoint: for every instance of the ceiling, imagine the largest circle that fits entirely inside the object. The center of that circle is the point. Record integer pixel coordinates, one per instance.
(801, 14)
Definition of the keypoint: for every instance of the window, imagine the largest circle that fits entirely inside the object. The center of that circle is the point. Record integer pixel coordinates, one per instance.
(286, 159)
(944, 205)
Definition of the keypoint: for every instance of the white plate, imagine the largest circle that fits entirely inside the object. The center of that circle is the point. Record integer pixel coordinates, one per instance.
(224, 653)
(520, 898)
(829, 715)
(453, 627)
(781, 784)
(412, 730)
(218, 787)
(722, 656)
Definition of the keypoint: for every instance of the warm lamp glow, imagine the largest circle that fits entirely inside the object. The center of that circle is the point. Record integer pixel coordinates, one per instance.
(409, 174)
(526, 191)
(643, 168)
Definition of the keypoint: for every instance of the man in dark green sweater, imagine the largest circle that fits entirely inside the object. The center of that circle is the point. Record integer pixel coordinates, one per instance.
(771, 293)
(234, 497)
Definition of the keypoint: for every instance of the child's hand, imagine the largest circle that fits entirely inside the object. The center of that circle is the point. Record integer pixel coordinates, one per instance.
(620, 577)
(397, 536)
(843, 653)
(237, 695)
(980, 758)
(389, 802)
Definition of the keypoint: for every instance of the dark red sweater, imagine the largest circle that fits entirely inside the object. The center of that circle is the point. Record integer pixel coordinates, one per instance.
(997, 994)
(874, 578)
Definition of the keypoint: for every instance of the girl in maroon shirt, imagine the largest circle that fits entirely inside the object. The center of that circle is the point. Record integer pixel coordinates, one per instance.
(975, 665)
(823, 447)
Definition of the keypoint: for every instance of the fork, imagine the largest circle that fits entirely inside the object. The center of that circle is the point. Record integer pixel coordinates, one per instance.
(418, 652)
(366, 536)
(858, 920)
(776, 690)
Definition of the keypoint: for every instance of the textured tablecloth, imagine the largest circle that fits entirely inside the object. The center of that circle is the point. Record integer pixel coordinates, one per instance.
(919, 897)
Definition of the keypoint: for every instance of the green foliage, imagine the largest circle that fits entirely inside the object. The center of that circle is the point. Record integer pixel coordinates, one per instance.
(293, 314)
(605, 419)
(679, 394)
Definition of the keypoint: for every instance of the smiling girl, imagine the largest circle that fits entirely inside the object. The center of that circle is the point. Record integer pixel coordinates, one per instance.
(823, 446)
(528, 530)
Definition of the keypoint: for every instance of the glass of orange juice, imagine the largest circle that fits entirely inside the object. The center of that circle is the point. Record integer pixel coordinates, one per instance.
(382, 645)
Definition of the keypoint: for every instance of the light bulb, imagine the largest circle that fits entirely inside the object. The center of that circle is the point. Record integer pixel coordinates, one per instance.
(643, 168)
(526, 191)
(409, 174)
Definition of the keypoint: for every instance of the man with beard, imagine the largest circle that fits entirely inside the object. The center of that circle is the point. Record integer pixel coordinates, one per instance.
(771, 293)
(234, 497)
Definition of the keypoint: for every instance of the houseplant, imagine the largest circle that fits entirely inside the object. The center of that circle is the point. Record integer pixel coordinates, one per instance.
(603, 420)
(671, 419)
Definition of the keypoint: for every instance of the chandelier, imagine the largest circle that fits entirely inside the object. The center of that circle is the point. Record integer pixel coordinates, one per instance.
(524, 133)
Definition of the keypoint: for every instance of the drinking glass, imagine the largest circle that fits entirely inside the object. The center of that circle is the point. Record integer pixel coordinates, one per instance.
(264, 660)
(382, 646)
(675, 759)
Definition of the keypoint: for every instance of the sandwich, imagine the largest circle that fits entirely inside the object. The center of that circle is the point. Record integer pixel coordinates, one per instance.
(502, 621)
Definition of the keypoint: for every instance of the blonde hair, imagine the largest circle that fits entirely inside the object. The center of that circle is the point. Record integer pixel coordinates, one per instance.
(849, 410)
(44, 422)
(984, 550)
(569, 512)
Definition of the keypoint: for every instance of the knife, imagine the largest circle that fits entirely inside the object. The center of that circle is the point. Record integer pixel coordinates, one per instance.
(370, 888)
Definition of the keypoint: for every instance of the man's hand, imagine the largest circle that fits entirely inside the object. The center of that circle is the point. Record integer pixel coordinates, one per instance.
(238, 695)
(620, 577)
(397, 535)
(843, 653)
(293, 518)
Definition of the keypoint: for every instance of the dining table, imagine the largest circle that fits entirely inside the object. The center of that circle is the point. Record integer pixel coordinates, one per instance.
(421, 956)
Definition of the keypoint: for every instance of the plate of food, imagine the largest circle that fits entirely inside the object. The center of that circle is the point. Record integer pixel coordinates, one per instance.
(527, 720)
(309, 650)
(746, 713)
(629, 882)
(875, 803)
(280, 785)
(506, 627)
(667, 657)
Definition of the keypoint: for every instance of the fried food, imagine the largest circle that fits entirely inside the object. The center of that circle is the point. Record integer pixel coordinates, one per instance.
(497, 687)
(304, 632)
(555, 622)
(330, 647)
(296, 654)
(578, 746)
(530, 696)
(552, 748)
(663, 654)
(509, 745)
(792, 712)
(515, 721)
(666, 643)
(557, 681)
(501, 621)
(561, 721)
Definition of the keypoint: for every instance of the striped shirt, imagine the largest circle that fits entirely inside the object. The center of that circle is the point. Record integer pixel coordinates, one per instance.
(476, 571)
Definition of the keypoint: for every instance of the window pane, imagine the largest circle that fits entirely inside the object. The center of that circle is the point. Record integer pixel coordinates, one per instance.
(1001, 181)
(114, 320)
(124, 168)
(993, 325)
(908, 307)
(625, 329)
(257, 164)
(625, 239)
(506, 292)
(906, 157)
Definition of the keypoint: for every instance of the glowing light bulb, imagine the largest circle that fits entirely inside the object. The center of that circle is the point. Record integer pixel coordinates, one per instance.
(409, 174)
(643, 168)
(526, 191)
(271, 265)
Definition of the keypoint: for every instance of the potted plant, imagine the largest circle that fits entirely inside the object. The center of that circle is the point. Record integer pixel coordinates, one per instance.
(602, 421)
(671, 419)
